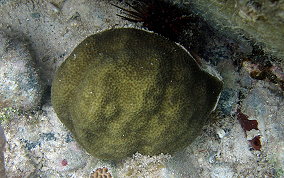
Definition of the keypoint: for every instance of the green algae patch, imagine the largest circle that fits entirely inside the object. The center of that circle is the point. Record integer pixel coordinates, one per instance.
(126, 90)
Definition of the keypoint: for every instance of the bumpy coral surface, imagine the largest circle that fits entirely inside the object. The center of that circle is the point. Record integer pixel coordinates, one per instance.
(101, 173)
(126, 90)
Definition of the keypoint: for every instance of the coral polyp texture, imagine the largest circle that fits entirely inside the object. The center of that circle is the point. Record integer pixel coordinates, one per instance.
(127, 90)
(101, 173)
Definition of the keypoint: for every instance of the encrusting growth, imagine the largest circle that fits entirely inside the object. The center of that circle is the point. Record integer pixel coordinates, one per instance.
(127, 90)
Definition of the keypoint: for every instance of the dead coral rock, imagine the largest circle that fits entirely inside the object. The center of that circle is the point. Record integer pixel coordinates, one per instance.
(20, 85)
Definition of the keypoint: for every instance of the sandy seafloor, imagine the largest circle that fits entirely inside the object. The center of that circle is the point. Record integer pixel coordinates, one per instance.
(38, 145)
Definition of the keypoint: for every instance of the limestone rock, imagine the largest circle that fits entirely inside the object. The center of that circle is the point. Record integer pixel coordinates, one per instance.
(20, 85)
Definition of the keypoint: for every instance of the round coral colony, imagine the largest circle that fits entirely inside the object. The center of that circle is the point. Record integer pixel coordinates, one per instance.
(126, 90)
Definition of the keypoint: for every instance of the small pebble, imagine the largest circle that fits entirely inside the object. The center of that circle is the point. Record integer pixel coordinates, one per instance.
(221, 133)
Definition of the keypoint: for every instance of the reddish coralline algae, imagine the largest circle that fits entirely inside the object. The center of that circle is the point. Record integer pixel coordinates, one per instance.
(246, 124)
(249, 125)
(255, 143)
(64, 162)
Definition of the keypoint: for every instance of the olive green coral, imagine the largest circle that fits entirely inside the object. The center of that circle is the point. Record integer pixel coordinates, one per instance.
(126, 90)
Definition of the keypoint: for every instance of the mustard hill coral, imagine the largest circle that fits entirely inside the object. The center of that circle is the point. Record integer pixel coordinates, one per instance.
(126, 90)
